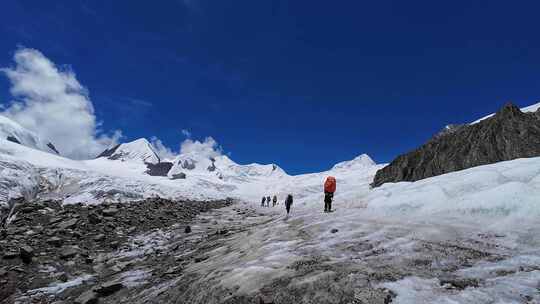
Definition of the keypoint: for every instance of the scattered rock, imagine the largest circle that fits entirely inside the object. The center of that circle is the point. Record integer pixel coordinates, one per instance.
(94, 229)
(188, 229)
(334, 230)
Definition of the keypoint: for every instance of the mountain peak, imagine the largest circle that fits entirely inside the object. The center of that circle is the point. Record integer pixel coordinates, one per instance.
(361, 161)
(137, 150)
(509, 110)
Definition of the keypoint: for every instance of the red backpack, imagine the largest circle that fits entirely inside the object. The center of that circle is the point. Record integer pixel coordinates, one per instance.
(330, 184)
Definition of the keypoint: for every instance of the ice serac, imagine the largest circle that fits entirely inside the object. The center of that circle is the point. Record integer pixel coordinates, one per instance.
(507, 135)
(14, 132)
(137, 150)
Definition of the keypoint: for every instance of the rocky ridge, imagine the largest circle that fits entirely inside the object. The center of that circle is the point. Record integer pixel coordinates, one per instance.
(509, 134)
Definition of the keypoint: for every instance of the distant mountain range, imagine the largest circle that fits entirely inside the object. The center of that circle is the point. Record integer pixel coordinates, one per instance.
(32, 167)
(134, 170)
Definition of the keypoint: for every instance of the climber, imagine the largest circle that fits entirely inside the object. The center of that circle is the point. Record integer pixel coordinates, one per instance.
(288, 203)
(263, 201)
(274, 201)
(329, 189)
(268, 201)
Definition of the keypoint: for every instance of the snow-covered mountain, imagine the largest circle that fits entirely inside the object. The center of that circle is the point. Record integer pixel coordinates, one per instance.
(223, 168)
(137, 150)
(14, 132)
(360, 162)
(380, 231)
(121, 173)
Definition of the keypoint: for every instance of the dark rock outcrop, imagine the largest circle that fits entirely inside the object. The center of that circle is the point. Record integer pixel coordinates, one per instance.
(180, 175)
(13, 139)
(159, 169)
(188, 164)
(108, 152)
(53, 148)
(509, 134)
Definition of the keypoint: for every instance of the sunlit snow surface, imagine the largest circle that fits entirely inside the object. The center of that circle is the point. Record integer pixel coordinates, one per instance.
(495, 208)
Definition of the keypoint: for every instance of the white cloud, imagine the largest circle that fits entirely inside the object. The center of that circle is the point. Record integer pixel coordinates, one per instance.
(186, 133)
(51, 102)
(209, 147)
(162, 151)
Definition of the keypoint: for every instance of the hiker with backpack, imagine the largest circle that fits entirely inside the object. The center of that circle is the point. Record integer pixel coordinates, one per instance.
(329, 189)
(263, 201)
(274, 201)
(268, 199)
(288, 203)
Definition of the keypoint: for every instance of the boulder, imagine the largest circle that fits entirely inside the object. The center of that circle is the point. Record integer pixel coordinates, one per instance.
(67, 224)
(180, 175)
(201, 258)
(26, 253)
(69, 252)
(100, 237)
(108, 288)
(88, 297)
(94, 218)
(110, 211)
(55, 241)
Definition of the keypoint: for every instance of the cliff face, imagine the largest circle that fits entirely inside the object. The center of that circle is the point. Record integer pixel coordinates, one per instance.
(507, 135)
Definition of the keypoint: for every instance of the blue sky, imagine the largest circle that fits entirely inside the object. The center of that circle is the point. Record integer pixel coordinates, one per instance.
(304, 84)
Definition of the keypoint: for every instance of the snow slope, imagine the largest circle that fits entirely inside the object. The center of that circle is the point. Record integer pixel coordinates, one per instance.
(495, 204)
(481, 223)
(35, 174)
(137, 150)
(15, 132)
